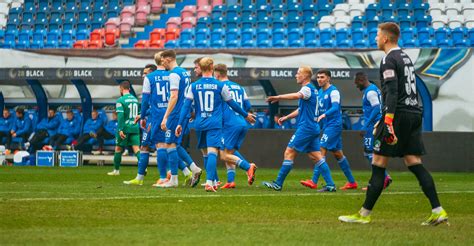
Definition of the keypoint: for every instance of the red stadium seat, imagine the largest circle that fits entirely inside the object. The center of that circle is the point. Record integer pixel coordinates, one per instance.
(173, 22)
(188, 11)
(156, 6)
(202, 2)
(204, 11)
(111, 36)
(216, 2)
(126, 26)
(141, 44)
(95, 44)
(157, 34)
(172, 34)
(157, 44)
(127, 11)
(141, 14)
(112, 23)
(188, 22)
(80, 44)
(96, 35)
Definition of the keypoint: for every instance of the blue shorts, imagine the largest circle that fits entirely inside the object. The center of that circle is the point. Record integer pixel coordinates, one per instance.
(304, 141)
(332, 139)
(369, 140)
(171, 125)
(233, 137)
(209, 138)
(154, 136)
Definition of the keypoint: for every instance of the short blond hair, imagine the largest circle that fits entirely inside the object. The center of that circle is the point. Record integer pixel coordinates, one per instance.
(307, 70)
(206, 64)
(158, 58)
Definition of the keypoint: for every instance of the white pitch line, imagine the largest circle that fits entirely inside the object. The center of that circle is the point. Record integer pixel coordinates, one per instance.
(214, 196)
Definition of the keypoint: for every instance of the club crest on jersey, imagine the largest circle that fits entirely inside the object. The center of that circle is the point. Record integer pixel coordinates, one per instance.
(326, 96)
(388, 74)
(377, 145)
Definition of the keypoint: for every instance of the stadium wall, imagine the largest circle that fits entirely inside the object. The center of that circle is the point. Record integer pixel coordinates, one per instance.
(446, 151)
(447, 73)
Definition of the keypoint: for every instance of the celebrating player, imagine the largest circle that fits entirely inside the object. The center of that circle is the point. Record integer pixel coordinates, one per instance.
(371, 114)
(306, 136)
(208, 96)
(234, 130)
(330, 117)
(128, 132)
(399, 135)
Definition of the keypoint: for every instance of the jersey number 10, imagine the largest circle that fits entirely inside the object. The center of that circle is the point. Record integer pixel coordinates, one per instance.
(206, 101)
(133, 110)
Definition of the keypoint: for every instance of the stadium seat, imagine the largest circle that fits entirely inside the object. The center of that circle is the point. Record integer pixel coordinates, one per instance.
(217, 38)
(218, 11)
(341, 10)
(453, 9)
(157, 34)
(456, 21)
(232, 38)
(326, 22)
(203, 22)
(141, 44)
(52, 39)
(232, 22)
(216, 2)
(372, 34)
(126, 26)
(203, 11)
(186, 39)
(343, 38)
(405, 22)
(359, 38)
(127, 12)
(95, 44)
(295, 38)
(264, 38)
(423, 21)
(112, 23)
(248, 38)
(372, 11)
(173, 23)
(279, 38)
(265, 22)
(372, 23)
(111, 36)
(294, 10)
(157, 44)
(311, 22)
(188, 22)
(437, 9)
(439, 21)
(294, 22)
(141, 15)
(248, 11)
(278, 11)
(24, 37)
(156, 6)
(218, 22)
(356, 9)
(202, 38)
(249, 23)
(171, 34)
(67, 39)
(82, 34)
(442, 36)
(263, 11)
(342, 22)
(188, 11)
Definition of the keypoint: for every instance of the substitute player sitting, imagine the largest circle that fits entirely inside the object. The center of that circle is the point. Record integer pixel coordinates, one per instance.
(209, 96)
(234, 130)
(306, 137)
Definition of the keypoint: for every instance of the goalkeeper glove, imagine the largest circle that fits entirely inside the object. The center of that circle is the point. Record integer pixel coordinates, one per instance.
(389, 134)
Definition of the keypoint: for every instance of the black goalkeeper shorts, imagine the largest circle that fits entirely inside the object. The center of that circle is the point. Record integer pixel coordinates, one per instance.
(407, 127)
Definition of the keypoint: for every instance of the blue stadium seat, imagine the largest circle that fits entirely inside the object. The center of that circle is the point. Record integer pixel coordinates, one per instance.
(70, 14)
(470, 34)
(294, 10)
(343, 38)
(261, 2)
(233, 11)
(311, 22)
(325, 9)
(52, 39)
(408, 37)
(294, 22)
(263, 11)
(311, 37)
(186, 39)
(372, 35)
(2, 34)
(233, 22)
(27, 24)
(10, 38)
(308, 2)
(443, 37)
(264, 23)
(38, 39)
(279, 38)
(248, 38)
(12, 24)
(82, 34)
(97, 24)
(29, 3)
(425, 37)
(42, 15)
(233, 38)
(372, 23)
(218, 22)
(420, 10)
(83, 15)
(278, 23)
(27, 15)
(263, 38)
(56, 14)
(69, 24)
(218, 11)
(249, 22)
(403, 10)
(217, 38)
(248, 11)
(55, 24)
(67, 39)
(372, 11)
(202, 38)
(83, 24)
(309, 11)
(56, 4)
(112, 14)
(279, 11)
(458, 35)
(295, 38)
(405, 22)
(358, 22)
(387, 11)
(97, 15)
(391, 18)
(423, 21)
(171, 44)
(23, 39)
(231, 3)
(359, 38)
(203, 22)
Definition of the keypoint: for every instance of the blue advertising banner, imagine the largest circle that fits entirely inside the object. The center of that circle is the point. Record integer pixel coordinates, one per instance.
(70, 158)
(45, 158)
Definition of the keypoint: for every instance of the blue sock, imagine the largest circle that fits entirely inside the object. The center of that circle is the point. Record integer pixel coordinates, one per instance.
(238, 154)
(181, 165)
(284, 170)
(316, 171)
(173, 160)
(205, 161)
(211, 166)
(326, 173)
(243, 164)
(143, 162)
(183, 155)
(346, 169)
(162, 159)
(230, 175)
(216, 177)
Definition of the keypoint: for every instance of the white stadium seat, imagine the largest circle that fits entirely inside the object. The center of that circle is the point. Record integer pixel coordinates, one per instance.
(356, 10)
(437, 9)
(342, 22)
(16, 4)
(326, 22)
(439, 21)
(353, 2)
(453, 9)
(434, 1)
(456, 21)
(469, 22)
(468, 9)
(341, 9)
(3, 23)
(449, 2)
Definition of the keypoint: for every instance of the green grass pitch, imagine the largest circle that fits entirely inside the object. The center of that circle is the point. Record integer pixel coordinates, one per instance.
(84, 206)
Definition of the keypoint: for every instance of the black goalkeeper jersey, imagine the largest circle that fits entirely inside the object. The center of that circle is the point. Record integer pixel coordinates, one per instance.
(397, 76)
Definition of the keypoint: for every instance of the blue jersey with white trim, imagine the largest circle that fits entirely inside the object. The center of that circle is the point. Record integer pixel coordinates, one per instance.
(326, 99)
(179, 80)
(371, 98)
(308, 108)
(157, 85)
(208, 95)
(232, 118)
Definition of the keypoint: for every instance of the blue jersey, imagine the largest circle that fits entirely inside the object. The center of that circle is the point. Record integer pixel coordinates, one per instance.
(371, 98)
(232, 118)
(326, 99)
(307, 108)
(179, 80)
(208, 95)
(157, 85)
